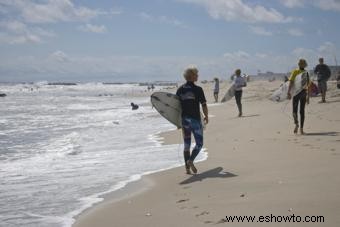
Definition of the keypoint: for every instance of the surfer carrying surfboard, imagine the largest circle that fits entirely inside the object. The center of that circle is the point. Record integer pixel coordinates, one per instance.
(302, 97)
(239, 83)
(191, 96)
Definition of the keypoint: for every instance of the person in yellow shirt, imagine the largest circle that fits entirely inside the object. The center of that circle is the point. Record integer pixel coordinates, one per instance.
(302, 97)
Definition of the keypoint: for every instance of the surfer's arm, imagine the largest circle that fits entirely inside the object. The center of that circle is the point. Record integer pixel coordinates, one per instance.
(205, 112)
(291, 82)
(289, 95)
(308, 90)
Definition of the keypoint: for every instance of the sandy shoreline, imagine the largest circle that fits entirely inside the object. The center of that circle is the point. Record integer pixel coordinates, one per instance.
(256, 166)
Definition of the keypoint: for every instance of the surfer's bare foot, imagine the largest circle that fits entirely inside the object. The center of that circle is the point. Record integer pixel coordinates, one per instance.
(296, 129)
(301, 131)
(192, 166)
(240, 115)
(188, 170)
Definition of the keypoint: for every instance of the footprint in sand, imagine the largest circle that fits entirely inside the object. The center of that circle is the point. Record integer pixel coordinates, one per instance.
(202, 213)
(182, 200)
(223, 220)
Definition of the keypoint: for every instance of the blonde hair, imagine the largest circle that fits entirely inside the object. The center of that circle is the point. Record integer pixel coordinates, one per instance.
(190, 71)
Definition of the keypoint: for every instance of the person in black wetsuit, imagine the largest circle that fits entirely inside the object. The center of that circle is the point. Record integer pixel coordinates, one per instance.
(191, 96)
(302, 97)
(134, 106)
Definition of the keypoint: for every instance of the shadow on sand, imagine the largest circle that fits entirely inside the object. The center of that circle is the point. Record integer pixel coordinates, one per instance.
(213, 173)
(244, 116)
(252, 115)
(321, 134)
(332, 101)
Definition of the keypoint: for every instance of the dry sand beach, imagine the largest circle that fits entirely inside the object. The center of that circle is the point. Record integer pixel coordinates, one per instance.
(256, 166)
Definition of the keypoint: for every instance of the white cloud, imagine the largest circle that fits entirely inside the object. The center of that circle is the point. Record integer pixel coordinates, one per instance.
(238, 55)
(237, 10)
(59, 56)
(20, 17)
(260, 31)
(327, 48)
(93, 28)
(63, 66)
(261, 55)
(14, 26)
(49, 11)
(162, 20)
(333, 5)
(293, 3)
(19, 39)
(295, 32)
(16, 32)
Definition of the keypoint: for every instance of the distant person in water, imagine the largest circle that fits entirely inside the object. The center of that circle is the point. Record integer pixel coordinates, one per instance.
(134, 106)
(191, 96)
(216, 88)
(302, 97)
(239, 83)
(323, 74)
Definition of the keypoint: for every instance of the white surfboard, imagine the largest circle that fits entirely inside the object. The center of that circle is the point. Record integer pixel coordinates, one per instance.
(299, 83)
(169, 106)
(229, 95)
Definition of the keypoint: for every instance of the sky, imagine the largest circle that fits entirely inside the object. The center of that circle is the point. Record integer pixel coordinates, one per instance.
(155, 40)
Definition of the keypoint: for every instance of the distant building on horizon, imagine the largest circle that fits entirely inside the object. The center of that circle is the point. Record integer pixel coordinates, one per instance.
(270, 76)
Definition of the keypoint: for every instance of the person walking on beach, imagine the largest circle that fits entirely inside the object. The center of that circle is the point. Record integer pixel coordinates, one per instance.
(239, 83)
(216, 88)
(191, 96)
(302, 97)
(323, 74)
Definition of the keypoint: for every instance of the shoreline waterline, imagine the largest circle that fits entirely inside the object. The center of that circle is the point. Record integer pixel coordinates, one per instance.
(136, 184)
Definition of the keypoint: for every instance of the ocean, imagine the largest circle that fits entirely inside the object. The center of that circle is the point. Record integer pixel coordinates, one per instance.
(63, 147)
